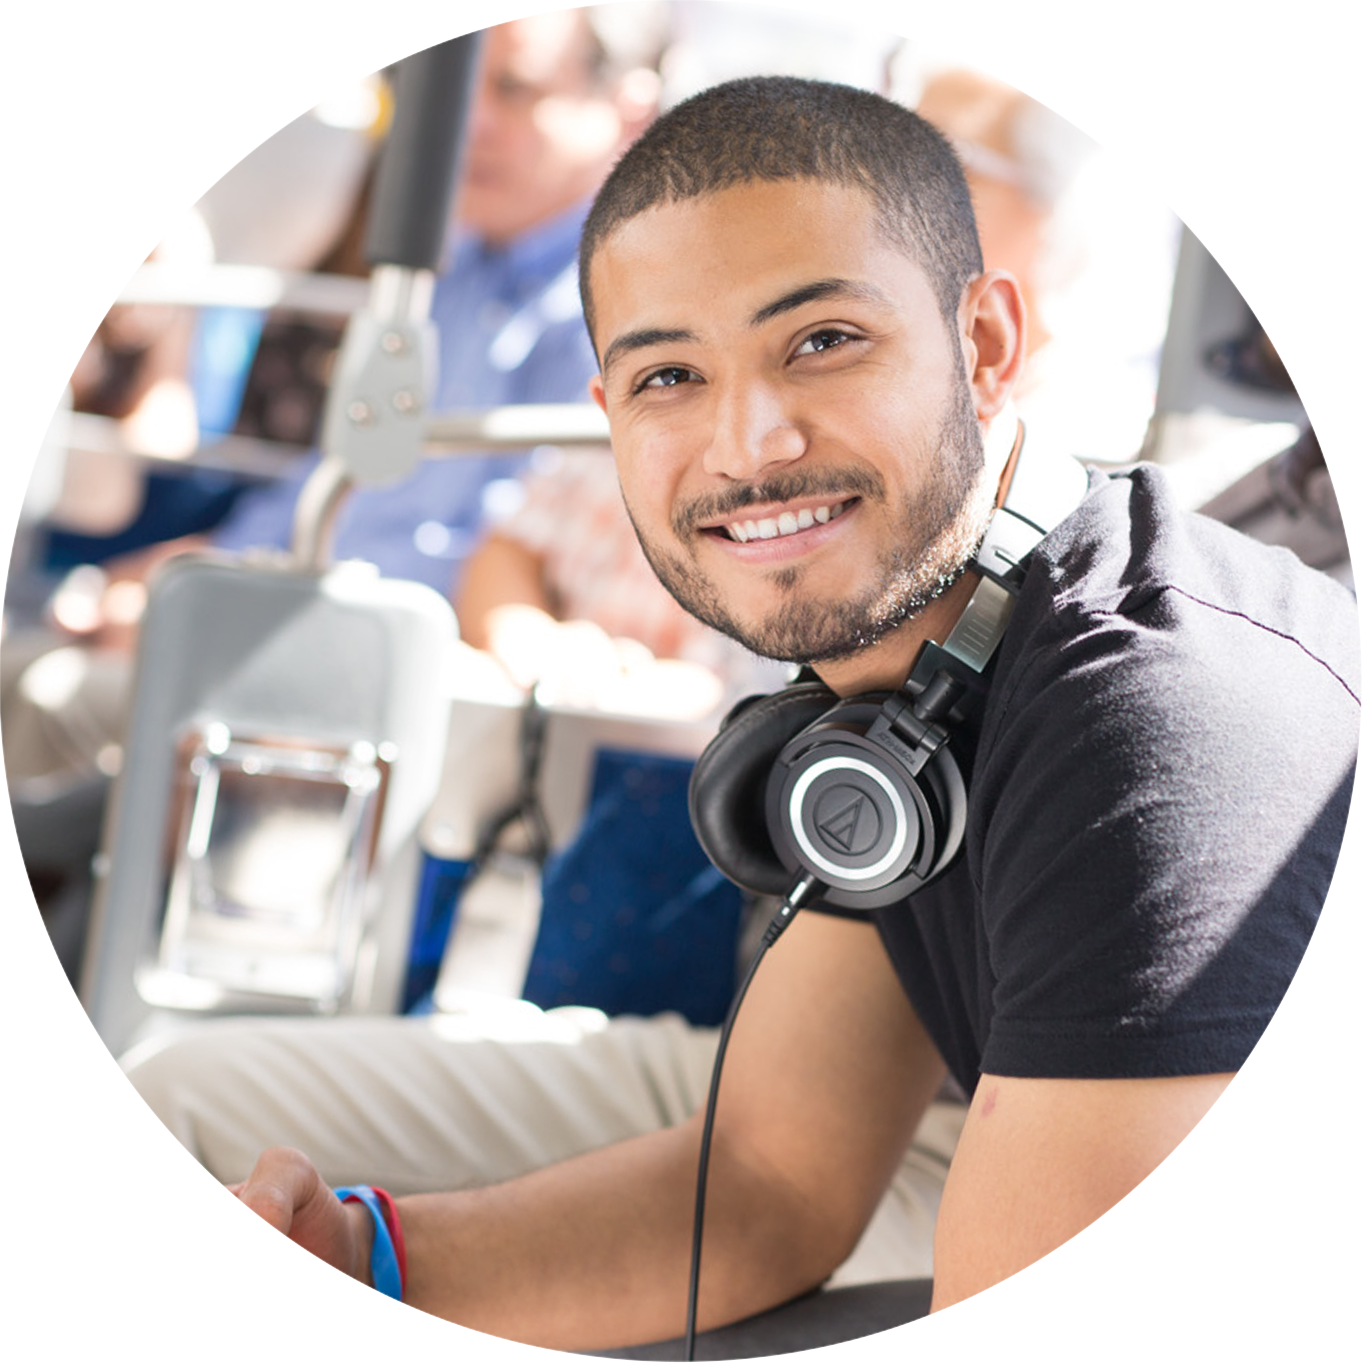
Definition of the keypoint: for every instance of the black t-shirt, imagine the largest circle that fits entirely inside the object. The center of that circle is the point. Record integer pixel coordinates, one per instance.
(1159, 779)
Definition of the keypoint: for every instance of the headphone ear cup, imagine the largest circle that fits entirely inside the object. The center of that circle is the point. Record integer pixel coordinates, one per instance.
(872, 818)
(728, 790)
(932, 813)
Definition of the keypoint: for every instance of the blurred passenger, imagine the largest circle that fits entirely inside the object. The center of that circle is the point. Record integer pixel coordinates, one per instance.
(564, 86)
(559, 96)
(1306, 180)
(111, 205)
(1065, 145)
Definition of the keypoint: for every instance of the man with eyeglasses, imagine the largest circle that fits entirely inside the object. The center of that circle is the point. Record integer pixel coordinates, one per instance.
(1306, 180)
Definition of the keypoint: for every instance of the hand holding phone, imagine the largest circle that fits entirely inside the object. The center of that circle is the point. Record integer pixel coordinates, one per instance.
(106, 1270)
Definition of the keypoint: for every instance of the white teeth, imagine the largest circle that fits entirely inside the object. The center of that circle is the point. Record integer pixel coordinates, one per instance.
(787, 523)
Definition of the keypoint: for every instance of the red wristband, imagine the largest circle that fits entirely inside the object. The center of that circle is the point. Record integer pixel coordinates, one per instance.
(394, 1224)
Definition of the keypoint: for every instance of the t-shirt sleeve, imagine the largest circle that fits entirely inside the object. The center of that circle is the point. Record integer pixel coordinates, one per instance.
(1157, 833)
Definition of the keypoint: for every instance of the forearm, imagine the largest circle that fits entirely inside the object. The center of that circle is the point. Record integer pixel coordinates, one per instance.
(501, 572)
(594, 1252)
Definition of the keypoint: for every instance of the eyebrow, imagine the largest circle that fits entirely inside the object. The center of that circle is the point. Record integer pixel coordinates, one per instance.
(639, 340)
(811, 293)
(787, 302)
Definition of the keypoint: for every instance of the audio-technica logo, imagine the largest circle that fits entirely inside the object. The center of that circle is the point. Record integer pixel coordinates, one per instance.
(847, 825)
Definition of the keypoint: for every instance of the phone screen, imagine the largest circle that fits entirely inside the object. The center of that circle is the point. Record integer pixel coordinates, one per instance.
(105, 1269)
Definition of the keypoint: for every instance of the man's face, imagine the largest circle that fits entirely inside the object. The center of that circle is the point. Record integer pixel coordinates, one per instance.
(542, 132)
(1311, 292)
(794, 431)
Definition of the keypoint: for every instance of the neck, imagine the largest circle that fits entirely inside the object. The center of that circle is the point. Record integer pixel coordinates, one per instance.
(886, 665)
(1343, 428)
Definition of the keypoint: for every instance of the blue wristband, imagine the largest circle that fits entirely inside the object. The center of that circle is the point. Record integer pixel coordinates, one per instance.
(383, 1259)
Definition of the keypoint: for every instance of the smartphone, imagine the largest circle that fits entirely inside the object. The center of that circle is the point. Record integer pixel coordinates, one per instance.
(105, 1269)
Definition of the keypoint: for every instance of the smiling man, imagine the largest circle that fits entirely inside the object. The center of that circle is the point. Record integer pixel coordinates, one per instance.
(1306, 180)
(807, 374)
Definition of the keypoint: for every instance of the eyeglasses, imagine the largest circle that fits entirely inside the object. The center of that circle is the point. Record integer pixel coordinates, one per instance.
(1277, 143)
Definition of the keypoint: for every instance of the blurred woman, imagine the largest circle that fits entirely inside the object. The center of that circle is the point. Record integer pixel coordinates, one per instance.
(111, 205)
(1066, 149)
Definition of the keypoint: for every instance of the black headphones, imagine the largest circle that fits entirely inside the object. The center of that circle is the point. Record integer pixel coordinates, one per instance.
(865, 794)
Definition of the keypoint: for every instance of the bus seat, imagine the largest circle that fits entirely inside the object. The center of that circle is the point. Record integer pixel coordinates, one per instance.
(260, 850)
(560, 867)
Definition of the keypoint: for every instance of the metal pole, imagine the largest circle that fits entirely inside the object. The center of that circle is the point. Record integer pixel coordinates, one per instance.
(373, 427)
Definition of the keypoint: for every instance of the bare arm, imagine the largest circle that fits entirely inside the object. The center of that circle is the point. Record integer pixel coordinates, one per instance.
(828, 1074)
(500, 572)
(1119, 1200)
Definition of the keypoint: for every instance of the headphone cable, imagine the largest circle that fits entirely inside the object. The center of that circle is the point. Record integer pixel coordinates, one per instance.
(805, 889)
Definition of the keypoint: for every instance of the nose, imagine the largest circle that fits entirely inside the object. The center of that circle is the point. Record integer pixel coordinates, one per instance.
(482, 116)
(753, 432)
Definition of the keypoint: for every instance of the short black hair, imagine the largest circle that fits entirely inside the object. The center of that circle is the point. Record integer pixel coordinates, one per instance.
(786, 128)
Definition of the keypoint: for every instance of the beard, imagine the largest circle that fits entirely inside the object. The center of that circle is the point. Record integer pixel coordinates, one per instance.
(938, 531)
(1326, 372)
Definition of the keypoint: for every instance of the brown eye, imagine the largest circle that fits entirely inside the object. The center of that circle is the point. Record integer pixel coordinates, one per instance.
(822, 340)
(669, 377)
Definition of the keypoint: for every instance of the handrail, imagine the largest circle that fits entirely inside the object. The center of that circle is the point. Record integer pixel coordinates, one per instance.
(246, 286)
(483, 430)
(566, 425)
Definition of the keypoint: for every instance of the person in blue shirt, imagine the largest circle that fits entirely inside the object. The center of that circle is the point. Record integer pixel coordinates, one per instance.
(559, 96)
(510, 331)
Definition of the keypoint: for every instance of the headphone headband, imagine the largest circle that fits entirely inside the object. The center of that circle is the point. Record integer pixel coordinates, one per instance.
(1042, 491)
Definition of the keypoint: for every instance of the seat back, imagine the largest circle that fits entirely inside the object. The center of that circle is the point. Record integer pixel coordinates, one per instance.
(260, 851)
(617, 909)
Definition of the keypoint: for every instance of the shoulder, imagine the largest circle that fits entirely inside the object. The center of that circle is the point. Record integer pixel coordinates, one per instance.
(1148, 641)
(1129, 552)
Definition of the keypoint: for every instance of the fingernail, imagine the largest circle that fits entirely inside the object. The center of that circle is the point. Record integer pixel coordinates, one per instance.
(119, 1335)
(251, 1257)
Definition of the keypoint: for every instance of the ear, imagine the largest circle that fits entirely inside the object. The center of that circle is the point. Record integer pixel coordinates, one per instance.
(598, 391)
(993, 327)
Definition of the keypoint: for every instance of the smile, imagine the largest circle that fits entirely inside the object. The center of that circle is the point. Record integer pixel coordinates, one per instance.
(787, 523)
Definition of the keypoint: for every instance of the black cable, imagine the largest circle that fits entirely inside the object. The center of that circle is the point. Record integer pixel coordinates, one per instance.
(525, 807)
(803, 891)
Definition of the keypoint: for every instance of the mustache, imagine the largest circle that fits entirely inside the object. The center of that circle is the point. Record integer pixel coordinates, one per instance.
(838, 485)
(1299, 246)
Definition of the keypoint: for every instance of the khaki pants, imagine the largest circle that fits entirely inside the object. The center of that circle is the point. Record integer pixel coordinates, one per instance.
(424, 1104)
